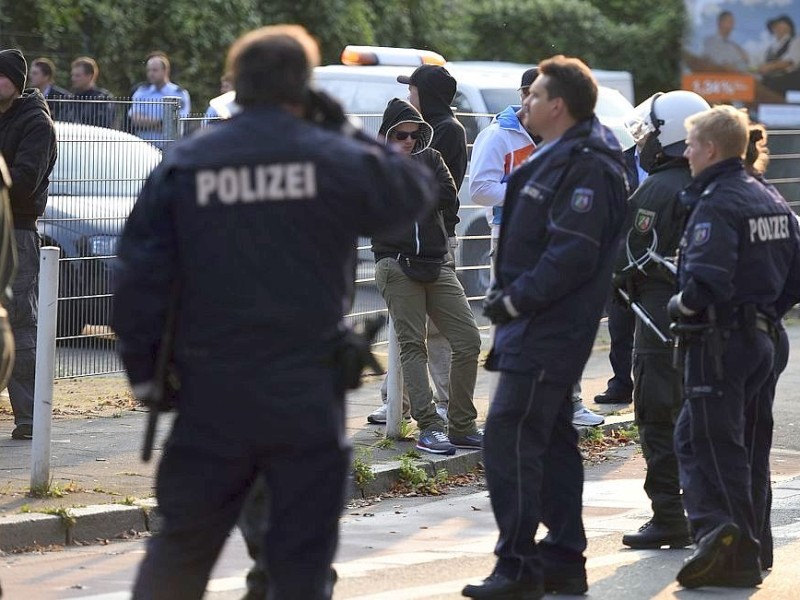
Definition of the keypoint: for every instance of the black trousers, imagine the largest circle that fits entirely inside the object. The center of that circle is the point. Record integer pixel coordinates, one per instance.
(621, 323)
(657, 398)
(723, 437)
(535, 475)
(208, 468)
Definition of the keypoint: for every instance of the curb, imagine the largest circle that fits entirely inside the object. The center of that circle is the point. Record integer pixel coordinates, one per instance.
(90, 524)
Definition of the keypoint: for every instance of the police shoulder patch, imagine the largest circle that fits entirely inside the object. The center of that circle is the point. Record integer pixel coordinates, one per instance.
(644, 220)
(582, 199)
(701, 233)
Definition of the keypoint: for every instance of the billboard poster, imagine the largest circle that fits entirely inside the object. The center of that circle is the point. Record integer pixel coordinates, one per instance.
(746, 52)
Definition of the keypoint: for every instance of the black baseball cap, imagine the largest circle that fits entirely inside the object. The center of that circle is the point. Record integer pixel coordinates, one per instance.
(528, 77)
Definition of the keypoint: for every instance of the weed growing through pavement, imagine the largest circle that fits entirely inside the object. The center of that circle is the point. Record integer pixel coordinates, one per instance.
(416, 480)
(129, 501)
(363, 474)
(407, 429)
(384, 444)
(51, 490)
(64, 513)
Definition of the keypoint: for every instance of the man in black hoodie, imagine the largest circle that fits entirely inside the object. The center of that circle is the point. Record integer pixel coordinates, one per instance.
(431, 90)
(417, 281)
(28, 145)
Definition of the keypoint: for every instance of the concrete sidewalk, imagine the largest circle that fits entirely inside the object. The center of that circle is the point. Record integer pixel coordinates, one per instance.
(101, 490)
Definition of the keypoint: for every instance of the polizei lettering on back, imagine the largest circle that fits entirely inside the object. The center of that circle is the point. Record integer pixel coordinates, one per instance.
(256, 183)
(766, 229)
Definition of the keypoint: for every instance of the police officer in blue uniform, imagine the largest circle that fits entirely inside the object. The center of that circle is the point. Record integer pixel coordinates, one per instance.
(739, 272)
(563, 216)
(254, 222)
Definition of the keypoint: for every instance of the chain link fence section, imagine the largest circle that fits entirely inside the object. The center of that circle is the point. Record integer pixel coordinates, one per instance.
(100, 171)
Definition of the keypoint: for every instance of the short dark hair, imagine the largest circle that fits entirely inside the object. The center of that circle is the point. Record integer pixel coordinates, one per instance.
(272, 65)
(46, 66)
(724, 14)
(571, 80)
(88, 65)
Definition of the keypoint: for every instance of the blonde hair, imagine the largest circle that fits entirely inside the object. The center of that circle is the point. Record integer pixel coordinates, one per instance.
(723, 125)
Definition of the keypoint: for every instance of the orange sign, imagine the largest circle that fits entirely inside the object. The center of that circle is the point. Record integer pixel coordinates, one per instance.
(721, 87)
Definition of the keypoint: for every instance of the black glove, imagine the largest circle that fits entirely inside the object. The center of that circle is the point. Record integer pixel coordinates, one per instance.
(620, 279)
(355, 352)
(674, 309)
(495, 308)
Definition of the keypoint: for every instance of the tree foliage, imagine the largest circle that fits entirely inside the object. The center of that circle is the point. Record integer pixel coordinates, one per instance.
(612, 34)
(531, 30)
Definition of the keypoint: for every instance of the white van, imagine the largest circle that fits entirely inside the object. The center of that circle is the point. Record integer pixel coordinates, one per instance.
(483, 90)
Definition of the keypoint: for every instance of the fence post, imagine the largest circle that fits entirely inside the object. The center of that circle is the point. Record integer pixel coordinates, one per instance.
(45, 368)
(171, 118)
(394, 387)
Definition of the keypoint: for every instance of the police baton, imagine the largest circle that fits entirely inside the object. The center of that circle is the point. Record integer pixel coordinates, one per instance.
(645, 317)
(165, 382)
(667, 265)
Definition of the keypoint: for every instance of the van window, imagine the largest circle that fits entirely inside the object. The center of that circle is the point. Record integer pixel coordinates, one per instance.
(373, 96)
(462, 105)
(497, 100)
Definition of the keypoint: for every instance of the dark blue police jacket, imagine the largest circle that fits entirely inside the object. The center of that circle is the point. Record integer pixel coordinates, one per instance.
(741, 245)
(256, 219)
(562, 221)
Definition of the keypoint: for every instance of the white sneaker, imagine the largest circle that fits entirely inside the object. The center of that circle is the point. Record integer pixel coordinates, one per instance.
(378, 416)
(441, 410)
(583, 417)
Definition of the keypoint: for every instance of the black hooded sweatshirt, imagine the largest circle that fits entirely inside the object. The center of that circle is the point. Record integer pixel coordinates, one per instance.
(426, 237)
(28, 145)
(437, 88)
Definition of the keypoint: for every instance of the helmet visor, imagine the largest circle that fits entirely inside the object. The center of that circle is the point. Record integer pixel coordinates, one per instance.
(639, 123)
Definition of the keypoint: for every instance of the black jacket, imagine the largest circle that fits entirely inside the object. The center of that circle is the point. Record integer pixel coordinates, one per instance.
(28, 145)
(60, 110)
(562, 222)
(265, 267)
(655, 214)
(101, 114)
(437, 88)
(426, 237)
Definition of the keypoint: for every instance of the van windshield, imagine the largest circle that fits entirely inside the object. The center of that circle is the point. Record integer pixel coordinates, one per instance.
(496, 100)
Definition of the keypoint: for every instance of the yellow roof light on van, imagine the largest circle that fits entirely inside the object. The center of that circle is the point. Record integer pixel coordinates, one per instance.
(382, 55)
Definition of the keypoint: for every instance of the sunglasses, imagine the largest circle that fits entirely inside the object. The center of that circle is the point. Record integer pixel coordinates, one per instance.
(402, 135)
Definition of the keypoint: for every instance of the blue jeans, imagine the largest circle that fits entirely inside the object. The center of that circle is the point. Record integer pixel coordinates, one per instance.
(535, 475)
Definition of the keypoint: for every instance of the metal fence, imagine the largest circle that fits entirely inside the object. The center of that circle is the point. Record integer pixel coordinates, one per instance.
(101, 169)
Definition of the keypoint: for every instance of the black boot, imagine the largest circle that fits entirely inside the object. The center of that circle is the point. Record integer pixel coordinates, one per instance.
(613, 397)
(498, 587)
(656, 534)
(706, 565)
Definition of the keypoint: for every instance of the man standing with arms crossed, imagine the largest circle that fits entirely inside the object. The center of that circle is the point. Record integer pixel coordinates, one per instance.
(563, 218)
(28, 145)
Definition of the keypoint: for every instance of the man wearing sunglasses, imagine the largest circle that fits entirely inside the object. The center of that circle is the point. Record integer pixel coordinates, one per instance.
(417, 279)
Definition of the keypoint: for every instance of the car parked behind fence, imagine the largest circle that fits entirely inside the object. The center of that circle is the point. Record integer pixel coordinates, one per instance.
(93, 187)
